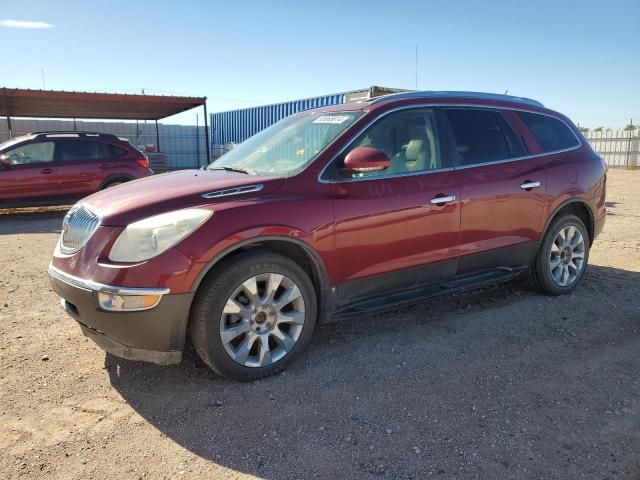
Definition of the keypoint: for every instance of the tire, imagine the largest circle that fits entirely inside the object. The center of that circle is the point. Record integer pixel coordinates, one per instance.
(113, 184)
(550, 264)
(225, 306)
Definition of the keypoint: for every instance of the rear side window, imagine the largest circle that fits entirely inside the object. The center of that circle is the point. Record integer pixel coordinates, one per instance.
(80, 150)
(551, 133)
(482, 136)
(113, 151)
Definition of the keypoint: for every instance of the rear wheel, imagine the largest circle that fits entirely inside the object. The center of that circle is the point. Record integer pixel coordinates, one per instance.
(563, 256)
(253, 315)
(113, 184)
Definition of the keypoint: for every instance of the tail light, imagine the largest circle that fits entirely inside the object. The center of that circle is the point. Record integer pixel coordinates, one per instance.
(143, 161)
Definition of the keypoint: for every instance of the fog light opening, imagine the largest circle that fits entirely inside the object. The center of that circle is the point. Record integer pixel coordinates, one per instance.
(121, 303)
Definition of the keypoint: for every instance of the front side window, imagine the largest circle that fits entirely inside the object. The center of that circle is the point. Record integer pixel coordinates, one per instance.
(551, 133)
(289, 145)
(39, 152)
(409, 138)
(479, 136)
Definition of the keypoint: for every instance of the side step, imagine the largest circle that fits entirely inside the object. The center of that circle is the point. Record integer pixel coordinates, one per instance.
(420, 293)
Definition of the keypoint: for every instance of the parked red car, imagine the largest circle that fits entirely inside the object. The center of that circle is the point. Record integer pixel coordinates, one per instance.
(57, 168)
(331, 213)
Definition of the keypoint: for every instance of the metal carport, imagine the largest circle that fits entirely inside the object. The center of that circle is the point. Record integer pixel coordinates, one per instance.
(18, 102)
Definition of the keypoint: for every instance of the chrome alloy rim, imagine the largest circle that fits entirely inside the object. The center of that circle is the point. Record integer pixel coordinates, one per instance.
(262, 320)
(566, 258)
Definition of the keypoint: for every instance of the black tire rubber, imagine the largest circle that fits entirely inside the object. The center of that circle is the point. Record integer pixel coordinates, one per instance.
(113, 184)
(540, 274)
(206, 312)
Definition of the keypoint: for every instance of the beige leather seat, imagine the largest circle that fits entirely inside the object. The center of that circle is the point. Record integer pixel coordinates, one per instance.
(413, 158)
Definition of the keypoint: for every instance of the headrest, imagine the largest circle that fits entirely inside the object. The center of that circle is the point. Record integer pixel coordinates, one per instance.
(414, 148)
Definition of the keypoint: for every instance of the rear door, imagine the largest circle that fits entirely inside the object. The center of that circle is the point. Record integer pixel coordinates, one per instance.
(391, 232)
(31, 175)
(502, 190)
(84, 164)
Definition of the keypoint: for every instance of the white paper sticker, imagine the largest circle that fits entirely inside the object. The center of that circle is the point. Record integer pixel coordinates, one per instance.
(331, 119)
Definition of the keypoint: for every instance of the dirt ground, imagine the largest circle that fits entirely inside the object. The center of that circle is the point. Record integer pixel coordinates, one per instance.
(495, 383)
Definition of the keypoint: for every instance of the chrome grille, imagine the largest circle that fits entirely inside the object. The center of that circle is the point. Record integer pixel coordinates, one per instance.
(78, 226)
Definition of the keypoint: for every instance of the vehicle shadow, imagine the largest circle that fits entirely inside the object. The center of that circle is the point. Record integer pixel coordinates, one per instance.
(369, 394)
(48, 220)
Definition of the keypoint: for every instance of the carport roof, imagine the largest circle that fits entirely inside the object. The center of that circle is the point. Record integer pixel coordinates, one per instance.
(17, 102)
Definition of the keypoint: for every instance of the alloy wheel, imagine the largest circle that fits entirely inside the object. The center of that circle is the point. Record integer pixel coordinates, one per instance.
(566, 258)
(262, 320)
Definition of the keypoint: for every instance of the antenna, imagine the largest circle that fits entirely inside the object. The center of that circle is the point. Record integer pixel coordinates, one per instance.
(42, 73)
(416, 66)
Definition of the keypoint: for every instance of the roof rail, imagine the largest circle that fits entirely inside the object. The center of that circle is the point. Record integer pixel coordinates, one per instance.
(461, 94)
(72, 132)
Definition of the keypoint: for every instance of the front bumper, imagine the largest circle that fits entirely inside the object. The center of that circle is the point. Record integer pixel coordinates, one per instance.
(154, 335)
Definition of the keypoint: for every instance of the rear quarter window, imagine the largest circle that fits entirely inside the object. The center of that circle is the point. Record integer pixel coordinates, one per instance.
(551, 133)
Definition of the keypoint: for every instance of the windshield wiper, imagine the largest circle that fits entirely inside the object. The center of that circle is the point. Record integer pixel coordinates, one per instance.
(234, 168)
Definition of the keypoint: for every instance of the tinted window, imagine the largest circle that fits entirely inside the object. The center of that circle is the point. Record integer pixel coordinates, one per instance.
(516, 147)
(408, 138)
(478, 135)
(551, 133)
(113, 151)
(31, 153)
(80, 150)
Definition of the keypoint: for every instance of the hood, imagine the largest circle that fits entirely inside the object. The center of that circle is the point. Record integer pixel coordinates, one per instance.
(138, 199)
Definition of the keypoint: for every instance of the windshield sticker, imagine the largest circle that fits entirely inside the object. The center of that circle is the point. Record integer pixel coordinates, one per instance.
(337, 119)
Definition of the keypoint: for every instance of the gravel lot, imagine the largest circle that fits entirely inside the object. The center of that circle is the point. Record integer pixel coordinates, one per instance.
(494, 383)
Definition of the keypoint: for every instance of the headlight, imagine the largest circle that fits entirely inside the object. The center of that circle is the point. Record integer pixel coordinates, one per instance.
(147, 238)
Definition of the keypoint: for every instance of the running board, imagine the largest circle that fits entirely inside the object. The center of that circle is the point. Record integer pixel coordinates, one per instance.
(421, 293)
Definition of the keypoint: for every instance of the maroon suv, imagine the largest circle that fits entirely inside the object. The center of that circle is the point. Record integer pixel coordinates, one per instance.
(331, 213)
(56, 168)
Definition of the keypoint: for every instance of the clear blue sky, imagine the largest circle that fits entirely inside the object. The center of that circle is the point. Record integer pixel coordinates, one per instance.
(577, 57)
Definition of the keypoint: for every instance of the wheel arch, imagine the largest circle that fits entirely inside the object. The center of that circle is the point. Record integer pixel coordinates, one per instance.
(578, 207)
(116, 177)
(298, 250)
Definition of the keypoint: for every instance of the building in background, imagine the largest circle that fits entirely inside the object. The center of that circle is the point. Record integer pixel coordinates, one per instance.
(235, 126)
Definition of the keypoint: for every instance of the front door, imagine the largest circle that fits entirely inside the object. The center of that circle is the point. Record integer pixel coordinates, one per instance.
(502, 191)
(29, 174)
(394, 229)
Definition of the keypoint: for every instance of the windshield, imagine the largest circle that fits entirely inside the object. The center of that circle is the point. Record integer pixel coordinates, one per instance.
(288, 145)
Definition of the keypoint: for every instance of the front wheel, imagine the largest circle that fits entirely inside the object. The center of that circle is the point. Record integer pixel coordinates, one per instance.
(563, 256)
(253, 315)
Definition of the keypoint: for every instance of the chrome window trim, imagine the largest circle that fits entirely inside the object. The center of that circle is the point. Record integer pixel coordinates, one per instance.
(447, 169)
(234, 191)
(100, 287)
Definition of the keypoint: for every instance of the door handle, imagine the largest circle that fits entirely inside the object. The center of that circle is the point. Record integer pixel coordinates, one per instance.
(442, 200)
(46, 171)
(104, 166)
(528, 185)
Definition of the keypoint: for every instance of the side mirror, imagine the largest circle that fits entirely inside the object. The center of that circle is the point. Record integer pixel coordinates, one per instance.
(5, 161)
(365, 160)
